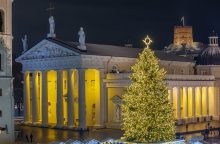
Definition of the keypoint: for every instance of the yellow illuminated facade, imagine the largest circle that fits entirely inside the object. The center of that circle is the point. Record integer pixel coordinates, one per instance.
(79, 90)
(64, 82)
(192, 104)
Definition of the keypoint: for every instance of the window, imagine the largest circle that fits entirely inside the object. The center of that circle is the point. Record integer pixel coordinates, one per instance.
(182, 71)
(0, 113)
(0, 92)
(1, 21)
(0, 62)
(204, 72)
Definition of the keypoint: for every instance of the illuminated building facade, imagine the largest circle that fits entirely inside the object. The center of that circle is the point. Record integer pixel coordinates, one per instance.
(80, 85)
(65, 86)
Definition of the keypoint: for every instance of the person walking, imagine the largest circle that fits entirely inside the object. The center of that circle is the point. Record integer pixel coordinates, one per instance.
(31, 137)
(207, 130)
(187, 127)
(26, 136)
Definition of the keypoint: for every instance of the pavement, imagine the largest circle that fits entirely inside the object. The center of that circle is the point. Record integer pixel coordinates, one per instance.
(46, 135)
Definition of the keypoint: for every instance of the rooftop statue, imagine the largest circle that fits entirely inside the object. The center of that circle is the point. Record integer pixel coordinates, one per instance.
(82, 38)
(24, 42)
(51, 27)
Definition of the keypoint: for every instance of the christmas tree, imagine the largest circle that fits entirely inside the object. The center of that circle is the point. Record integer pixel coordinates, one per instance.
(147, 113)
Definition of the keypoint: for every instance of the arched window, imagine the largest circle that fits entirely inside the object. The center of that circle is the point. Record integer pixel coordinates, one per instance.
(1, 21)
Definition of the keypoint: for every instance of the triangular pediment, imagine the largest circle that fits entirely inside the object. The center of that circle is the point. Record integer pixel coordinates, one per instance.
(47, 49)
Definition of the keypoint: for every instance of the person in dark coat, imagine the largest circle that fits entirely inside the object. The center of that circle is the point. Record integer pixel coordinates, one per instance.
(26, 136)
(31, 137)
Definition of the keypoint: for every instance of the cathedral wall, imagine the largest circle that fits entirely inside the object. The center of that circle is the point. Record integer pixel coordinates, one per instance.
(172, 67)
(121, 64)
(215, 71)
(6, 108)
(179, 68)
(208, 70)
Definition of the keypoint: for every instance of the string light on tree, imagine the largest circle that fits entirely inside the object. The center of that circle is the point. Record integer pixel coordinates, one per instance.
(146, 112)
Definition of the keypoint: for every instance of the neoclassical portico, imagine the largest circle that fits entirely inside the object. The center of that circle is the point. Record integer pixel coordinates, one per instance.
(63, 89)
(59, 98)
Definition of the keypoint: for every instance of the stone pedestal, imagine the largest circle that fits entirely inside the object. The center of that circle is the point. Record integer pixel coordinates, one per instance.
(82, 47)
(49, 35)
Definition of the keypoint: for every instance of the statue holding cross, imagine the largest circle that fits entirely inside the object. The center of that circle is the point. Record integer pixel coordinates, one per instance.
(51, 34)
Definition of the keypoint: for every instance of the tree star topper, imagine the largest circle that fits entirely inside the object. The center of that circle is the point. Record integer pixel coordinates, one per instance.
(147, 41)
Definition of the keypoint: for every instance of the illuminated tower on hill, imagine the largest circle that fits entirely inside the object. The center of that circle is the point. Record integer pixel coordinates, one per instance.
(183, 35)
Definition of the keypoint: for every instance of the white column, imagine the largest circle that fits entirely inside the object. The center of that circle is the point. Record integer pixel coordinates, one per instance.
(171, 96)
(200, 102)
(34, 98)
(186, 101)
(193, 104)
(207, 100)
(26, 98)
(44, 98)
(82, 105)
(178, 104)
(70, 99)
(102, 98)
(59, 98)
(106, 104)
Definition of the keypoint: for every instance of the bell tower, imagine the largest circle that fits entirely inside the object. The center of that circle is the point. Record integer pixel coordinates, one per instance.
(6, 37)
(6, 79)
(6, 21)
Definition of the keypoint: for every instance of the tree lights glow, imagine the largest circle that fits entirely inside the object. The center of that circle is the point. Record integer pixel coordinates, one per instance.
(146, 111)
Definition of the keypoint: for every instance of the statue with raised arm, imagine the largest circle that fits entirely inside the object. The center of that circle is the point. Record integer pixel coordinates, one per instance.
(24, 42)
(82, 39)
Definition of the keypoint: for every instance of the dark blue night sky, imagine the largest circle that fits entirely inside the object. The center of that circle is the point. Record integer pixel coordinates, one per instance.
(114, 21)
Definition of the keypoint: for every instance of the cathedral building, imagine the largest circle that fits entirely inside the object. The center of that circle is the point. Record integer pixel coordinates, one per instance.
(80, 85)
(6, 80)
